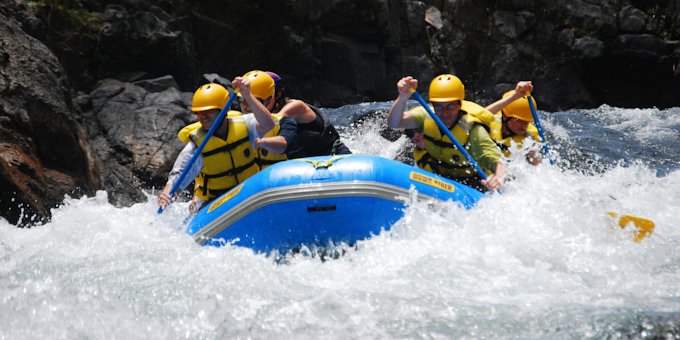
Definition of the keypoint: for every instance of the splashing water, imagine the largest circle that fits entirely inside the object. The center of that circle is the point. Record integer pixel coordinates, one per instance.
(540, 260)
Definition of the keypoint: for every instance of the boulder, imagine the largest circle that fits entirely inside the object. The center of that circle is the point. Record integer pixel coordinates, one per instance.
(588, 48)
(44, 154)
(136, 134)
(632, 20)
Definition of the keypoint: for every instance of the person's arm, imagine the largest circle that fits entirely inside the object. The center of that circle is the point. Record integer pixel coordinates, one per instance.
(177, 168)
(495, 181)
(265, 122)
(484, 150)
(276, 144)
(297, 109)
(288, 131)
(501, 103)
(286, 136)
(521, 89)
(397, 117)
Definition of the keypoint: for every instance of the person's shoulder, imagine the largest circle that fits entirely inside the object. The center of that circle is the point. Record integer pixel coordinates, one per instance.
(479, 131)
(418, 111)
(478, 113)
(294, 108)
(473, 108)
(296, 103)
(418, 115)
(184, 134)
(285, 120)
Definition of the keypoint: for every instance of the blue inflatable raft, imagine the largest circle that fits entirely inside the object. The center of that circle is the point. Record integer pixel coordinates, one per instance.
(319, 200)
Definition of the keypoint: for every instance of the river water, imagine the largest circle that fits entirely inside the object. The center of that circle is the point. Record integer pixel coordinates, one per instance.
(543, 259)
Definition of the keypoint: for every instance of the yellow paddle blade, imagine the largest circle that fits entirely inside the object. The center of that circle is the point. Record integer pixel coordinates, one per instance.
(645, 227)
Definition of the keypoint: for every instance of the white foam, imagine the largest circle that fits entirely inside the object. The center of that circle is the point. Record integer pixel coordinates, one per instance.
(541, 260)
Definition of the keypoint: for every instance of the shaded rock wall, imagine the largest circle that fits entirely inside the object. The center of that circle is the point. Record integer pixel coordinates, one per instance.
(580, 53)
(43, 151)
(133, 130)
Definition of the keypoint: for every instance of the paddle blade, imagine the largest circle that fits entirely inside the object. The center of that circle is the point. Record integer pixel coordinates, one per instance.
(189, 177)
(644, 226)
(192, 173)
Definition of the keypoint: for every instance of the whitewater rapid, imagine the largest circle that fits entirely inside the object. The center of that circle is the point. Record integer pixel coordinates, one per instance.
(543, 259)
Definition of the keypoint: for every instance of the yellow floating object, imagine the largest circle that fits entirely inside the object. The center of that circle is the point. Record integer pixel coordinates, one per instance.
(645, 226)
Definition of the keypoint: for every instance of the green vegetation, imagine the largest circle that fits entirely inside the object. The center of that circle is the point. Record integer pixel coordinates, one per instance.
(666, 22)
(63, 18)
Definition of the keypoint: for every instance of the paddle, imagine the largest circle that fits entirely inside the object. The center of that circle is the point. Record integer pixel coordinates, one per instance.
(448, 133)
(189, 168)
(546, 151)
(645, 226)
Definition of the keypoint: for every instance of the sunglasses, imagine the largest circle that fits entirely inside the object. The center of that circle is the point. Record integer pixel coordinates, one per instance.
(450, 106)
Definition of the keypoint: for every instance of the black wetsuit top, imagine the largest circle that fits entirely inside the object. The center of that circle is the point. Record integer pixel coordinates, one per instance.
(317, 138)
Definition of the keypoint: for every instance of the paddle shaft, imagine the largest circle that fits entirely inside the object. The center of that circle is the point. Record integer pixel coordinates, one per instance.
(448, 133)
(537, 122)
(197, 153)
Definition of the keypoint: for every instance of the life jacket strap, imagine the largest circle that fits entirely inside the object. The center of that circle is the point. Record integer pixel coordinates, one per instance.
(226, 148)
(440, 143)
(230, 172)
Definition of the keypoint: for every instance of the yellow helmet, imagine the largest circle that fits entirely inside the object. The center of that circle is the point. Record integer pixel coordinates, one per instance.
(519, 108)
(209, 96)
(446, 88)
(261, 84)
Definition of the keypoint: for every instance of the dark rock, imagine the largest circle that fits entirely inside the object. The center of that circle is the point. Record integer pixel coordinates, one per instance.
(316, 43)
(43, 151)
(334, 94)
(588, 48)
(644, 46)
(354, 64)
(218, 79)
(505, 65)
(4, 84)
(414, 21)
(419, 65)
(632, 20)
(136, 132)
(566, 37)
(591, 17)
(509, 25)
(158, 84)
(543, 34)
(139, 41)
(434, 17)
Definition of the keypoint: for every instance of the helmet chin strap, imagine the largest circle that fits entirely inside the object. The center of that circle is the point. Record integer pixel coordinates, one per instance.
(506, 128)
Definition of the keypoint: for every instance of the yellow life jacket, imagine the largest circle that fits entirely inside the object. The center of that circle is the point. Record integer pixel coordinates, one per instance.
(226, 163)
(450, 162)
(496, 133)
(423, 159)
(265, 158)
